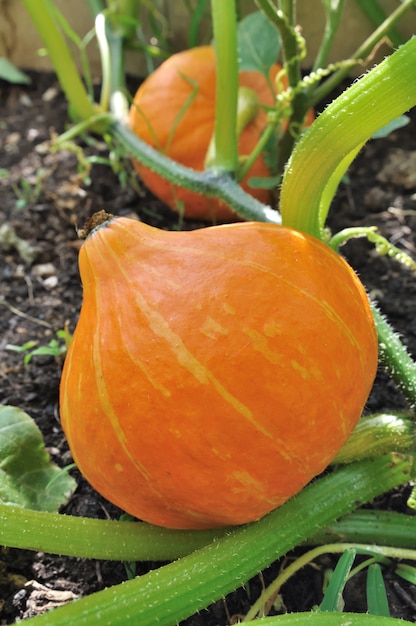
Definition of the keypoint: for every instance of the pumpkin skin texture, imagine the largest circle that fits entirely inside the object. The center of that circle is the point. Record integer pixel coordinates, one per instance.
(167, 100)
(213, 373)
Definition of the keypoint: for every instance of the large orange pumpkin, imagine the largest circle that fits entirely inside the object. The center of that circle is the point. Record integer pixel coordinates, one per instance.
(213, 373)
(174, 111)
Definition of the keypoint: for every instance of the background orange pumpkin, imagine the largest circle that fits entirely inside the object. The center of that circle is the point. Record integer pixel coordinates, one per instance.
(173, 115)
(213, 373)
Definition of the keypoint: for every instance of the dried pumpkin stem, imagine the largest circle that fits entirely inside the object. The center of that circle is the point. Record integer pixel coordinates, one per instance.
(175, 591)
(95, 221)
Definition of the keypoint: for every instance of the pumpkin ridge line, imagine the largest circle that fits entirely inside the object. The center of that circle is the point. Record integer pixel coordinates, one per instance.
(108, 409)
(103, 395)
(185, 357)
(331, 313)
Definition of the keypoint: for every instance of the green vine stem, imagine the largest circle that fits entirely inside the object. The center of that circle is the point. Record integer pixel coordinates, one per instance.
(379, 434)
(283, 18)
(214, 185)
(324, 152)
(207, 183)
(114, 28)
(65, 68)
(387, 528)
(332, 548)
(331, 619)
(293, 47)
(374, 435)
(383, 246)
(124, 541)
(110, 37)
(247, 110)
(376, 15)
(96, 539)
(96, 6)
(321, 92)
(173, 592)
(104, 48)
(333, 14)
(395, 357)
(224, 24)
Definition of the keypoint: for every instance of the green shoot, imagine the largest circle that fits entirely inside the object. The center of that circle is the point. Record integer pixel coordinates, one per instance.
(57, 347)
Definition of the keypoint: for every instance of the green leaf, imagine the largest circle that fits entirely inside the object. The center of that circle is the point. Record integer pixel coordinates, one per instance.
(261, 182)
(10, 73)
(407, 572)
(399, 122)
(27, 476)
(376, 592)
(332, 600)
(258, 43)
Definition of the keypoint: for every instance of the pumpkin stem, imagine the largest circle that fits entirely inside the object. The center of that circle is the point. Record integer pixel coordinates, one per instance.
(98, 219)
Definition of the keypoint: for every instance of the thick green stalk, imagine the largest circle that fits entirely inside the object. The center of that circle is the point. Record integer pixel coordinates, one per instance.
(96, 539)
(394, 356)
(247, 111)
(224, 24)
(169, 594)
(325, 151)
(65, 68)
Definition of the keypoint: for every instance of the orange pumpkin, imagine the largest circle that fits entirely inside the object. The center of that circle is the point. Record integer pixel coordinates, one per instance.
(174, 111)
(213, 373)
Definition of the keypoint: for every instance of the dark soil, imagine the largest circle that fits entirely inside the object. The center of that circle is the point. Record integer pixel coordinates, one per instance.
(40, 293)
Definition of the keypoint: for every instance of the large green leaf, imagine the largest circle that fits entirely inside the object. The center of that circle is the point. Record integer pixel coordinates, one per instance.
(258, 43)
(27, 476)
